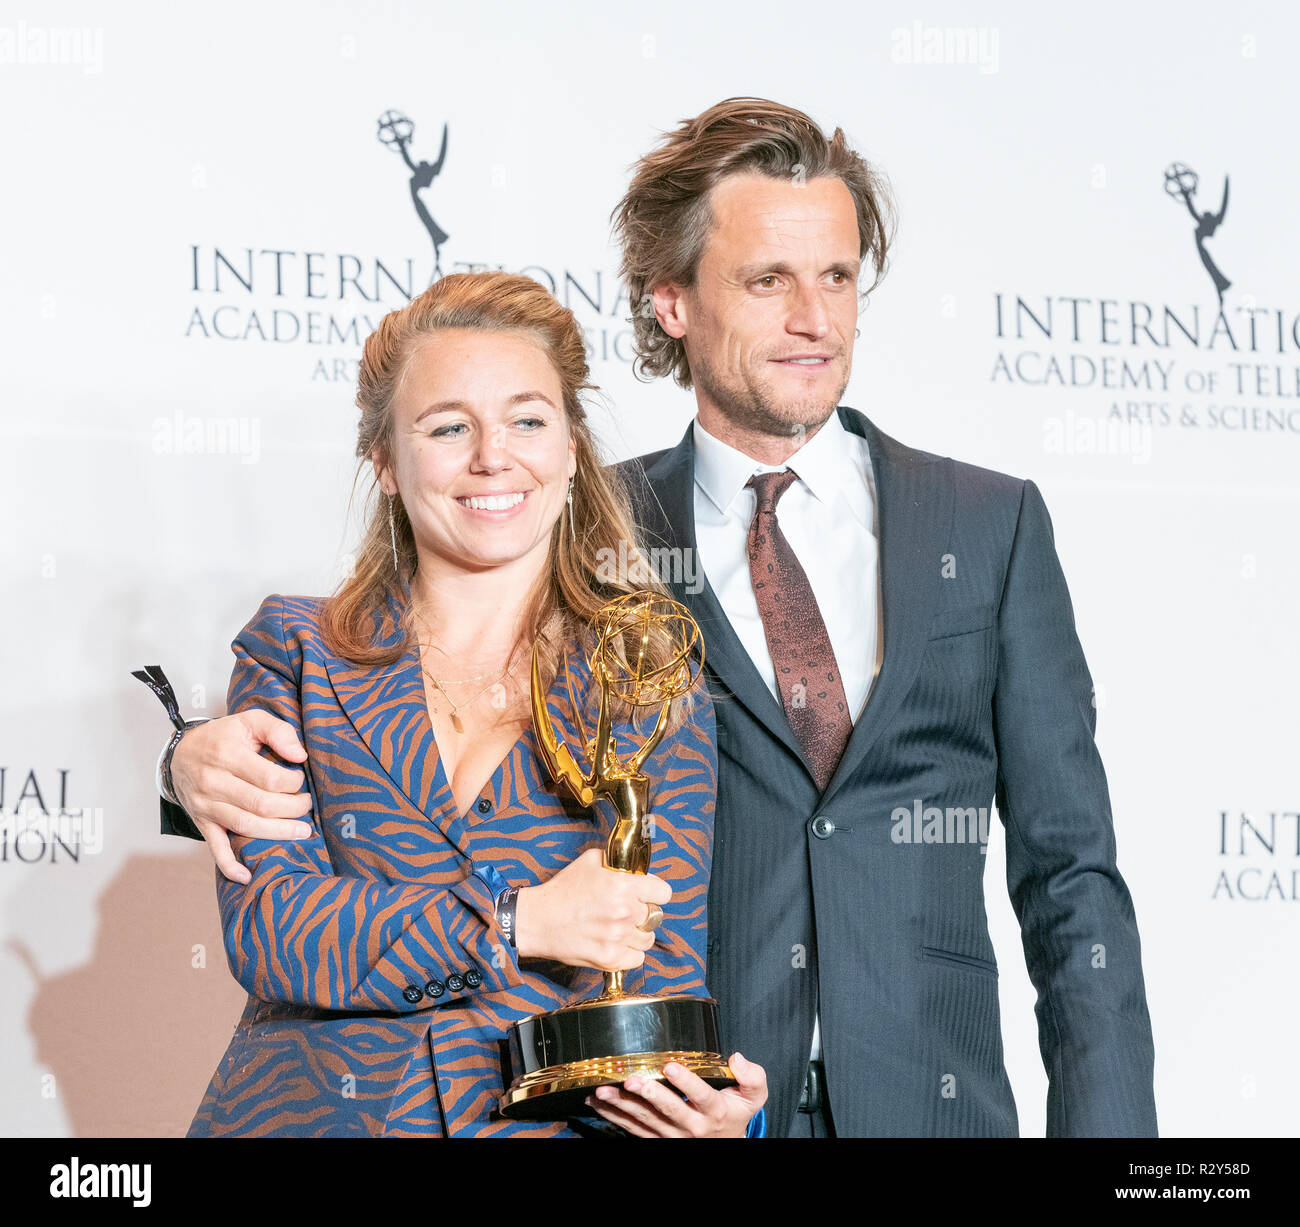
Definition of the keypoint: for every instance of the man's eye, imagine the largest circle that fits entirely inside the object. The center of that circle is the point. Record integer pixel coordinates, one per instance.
(767, 282)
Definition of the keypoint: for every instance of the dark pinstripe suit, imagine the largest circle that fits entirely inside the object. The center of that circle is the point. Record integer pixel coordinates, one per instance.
(983, 690)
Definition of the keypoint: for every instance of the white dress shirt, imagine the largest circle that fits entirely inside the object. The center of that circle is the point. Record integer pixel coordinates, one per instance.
(829, 518)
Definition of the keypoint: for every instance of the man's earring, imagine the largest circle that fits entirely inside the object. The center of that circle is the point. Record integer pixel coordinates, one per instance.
(572, 531)
(392, 534)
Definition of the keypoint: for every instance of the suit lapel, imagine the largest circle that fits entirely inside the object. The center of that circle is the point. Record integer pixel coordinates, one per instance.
(671, 481)
(388, 710)
(914, 500)
(914, 506)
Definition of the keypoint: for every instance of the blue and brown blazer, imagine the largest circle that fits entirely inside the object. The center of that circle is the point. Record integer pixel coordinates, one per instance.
(379, 989)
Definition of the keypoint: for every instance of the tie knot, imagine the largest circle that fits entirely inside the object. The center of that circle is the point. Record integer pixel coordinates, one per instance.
(770, 486)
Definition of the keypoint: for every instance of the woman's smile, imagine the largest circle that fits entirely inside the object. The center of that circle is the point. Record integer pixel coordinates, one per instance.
(493, 506)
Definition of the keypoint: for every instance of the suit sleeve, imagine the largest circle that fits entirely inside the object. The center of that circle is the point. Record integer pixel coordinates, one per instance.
(300, 933)
(175, 821)
(684, 771)
(1076, 917)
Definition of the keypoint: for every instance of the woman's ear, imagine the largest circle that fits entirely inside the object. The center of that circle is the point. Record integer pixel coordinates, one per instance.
(383, 475)
(573, 454)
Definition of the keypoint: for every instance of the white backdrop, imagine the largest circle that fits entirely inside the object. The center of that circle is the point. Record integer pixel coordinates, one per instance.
(167, 461)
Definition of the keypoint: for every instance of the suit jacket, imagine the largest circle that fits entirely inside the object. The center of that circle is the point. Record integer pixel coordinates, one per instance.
(859, 895)
(380, 991)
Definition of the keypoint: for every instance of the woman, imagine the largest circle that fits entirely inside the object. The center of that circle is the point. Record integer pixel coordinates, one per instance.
(380, 974)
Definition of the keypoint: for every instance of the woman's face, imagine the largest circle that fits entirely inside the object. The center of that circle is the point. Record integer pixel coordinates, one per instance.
(482, 452)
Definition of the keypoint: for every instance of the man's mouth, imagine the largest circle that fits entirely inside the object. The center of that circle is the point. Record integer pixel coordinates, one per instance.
(493, 502)
(813, 360)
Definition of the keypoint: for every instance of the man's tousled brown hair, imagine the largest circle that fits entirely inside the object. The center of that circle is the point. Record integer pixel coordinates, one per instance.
(663, 221)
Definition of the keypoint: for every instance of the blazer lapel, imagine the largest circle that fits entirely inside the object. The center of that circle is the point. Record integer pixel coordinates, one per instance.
(671, 481)
(914, 507)
(388, 710)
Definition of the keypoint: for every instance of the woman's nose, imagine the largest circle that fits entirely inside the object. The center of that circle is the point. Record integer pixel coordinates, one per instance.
(493, 452)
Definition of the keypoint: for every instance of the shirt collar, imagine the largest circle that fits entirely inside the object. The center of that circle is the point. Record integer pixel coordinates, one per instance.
(827, 464)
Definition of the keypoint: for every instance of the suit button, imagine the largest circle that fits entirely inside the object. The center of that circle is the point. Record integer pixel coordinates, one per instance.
(412, 994)
(455, 982)
(435, 989)
(823, 827)
(484, 806)
(472, 978)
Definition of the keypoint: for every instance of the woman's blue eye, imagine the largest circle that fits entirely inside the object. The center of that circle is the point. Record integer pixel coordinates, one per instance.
(456, 429)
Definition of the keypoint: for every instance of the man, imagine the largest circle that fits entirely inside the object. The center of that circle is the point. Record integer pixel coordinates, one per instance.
(892, 644)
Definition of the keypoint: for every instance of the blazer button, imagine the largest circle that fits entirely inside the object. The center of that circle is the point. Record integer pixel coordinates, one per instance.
(435, 989)
(823, 827)
(412, 994)
(472, 978)
(484, 806)
(455, 982)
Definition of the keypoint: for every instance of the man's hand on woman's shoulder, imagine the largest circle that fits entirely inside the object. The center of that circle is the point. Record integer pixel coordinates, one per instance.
(225, 785)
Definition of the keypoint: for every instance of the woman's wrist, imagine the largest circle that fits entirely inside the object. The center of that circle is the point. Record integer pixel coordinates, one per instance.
(506, 907)
(526, 923)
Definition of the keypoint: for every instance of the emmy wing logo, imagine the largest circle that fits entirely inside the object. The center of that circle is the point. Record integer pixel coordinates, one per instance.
(396, 132)
(1180, 183)
(304, 299)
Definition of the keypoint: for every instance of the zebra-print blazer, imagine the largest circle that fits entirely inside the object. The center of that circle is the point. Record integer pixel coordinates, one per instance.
(380, 991)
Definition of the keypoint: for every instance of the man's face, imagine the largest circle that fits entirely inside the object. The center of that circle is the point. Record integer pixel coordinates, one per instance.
(769, 324)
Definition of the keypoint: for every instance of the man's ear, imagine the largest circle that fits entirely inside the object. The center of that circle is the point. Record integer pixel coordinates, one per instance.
(383, 475)
(669, 301)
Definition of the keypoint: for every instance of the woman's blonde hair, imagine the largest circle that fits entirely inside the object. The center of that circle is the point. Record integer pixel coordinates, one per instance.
(598, 561)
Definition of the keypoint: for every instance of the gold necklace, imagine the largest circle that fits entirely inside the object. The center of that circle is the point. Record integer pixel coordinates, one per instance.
(456, 721)
(461, 681)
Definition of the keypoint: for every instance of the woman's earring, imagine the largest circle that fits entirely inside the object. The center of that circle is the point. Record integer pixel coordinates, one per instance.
(572, 531)
(392, 534)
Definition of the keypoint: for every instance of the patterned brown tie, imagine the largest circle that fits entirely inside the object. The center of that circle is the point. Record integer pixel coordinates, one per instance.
(807, 676)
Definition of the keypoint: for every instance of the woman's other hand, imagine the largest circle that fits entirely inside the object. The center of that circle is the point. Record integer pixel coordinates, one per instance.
(646, 1108)
(589, 916)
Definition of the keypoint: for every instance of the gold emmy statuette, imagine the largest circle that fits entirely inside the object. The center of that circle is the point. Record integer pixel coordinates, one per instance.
(561, 1057)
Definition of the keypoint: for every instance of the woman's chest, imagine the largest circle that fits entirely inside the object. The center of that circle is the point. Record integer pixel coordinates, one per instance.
(472, 743)
(401, 817)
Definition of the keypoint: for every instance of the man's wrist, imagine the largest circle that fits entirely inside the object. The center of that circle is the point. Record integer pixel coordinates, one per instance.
(164, 774)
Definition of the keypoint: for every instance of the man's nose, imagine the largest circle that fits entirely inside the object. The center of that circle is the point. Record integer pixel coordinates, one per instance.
(809, 315)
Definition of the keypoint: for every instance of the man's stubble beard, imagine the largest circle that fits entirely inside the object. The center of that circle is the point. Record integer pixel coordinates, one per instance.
(755, 410)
